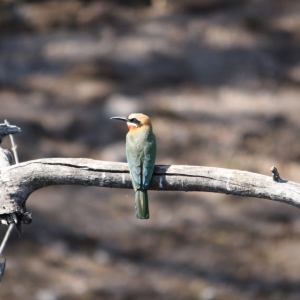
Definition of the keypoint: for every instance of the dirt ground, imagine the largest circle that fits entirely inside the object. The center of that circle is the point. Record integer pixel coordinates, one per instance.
(221, 83)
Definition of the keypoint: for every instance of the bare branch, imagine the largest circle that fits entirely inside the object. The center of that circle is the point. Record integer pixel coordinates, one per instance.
(19, 181)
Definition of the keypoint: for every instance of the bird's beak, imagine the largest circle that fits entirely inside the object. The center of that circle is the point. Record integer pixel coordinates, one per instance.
(6, 129)
(120, 118)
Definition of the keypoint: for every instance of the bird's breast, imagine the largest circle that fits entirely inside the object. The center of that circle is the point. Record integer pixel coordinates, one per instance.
(138, 138)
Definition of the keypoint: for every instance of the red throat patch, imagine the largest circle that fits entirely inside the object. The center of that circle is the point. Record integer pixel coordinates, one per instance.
(131, 127)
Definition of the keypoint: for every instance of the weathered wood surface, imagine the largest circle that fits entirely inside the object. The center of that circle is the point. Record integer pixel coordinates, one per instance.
(17, 182)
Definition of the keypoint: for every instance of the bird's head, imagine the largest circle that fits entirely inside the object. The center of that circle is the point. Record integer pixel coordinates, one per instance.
(6, 129)
(135, 120)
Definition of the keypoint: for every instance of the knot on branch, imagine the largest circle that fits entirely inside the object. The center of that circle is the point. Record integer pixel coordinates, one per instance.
(276, 176)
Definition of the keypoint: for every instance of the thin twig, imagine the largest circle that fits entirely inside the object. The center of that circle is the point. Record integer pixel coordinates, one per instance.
(5, 239)
(13, 145)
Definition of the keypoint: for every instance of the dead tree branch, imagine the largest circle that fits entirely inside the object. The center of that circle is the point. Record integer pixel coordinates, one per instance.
(17, 182)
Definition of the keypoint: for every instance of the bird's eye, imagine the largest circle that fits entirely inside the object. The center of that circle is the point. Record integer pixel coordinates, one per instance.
(134, 120)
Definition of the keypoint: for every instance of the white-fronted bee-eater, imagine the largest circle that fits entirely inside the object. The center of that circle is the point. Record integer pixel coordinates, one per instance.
(140, 153)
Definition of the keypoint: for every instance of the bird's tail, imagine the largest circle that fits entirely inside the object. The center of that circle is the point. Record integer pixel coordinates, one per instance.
(141, 204)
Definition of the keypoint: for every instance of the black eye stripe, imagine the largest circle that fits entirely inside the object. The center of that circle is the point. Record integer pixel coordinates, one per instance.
(135, 121)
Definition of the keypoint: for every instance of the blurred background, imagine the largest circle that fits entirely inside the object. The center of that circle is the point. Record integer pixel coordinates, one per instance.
(220, 80)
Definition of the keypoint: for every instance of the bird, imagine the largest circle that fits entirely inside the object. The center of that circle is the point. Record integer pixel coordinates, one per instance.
(6, 158)
(140, 154)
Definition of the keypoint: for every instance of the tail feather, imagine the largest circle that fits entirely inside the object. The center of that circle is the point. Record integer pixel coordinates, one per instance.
(141, 204)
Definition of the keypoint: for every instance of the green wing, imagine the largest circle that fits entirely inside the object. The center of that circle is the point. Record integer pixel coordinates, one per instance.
(149, 160)
(134, 163)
